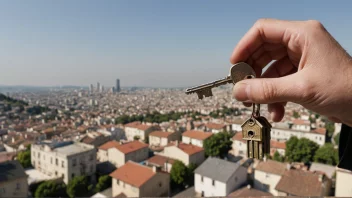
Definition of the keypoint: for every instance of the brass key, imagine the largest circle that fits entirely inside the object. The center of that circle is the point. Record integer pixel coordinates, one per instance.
(238, 72)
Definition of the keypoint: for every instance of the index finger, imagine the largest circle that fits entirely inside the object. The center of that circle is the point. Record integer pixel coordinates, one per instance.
(263, 31)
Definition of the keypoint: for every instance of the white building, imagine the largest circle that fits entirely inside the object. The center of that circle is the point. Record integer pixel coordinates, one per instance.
(281, 134)
(115, 132)
(301, 125)
(162, 138)
(215, 127)
(137, 130)
(64, 159)
(267, 175)
(196, 138)
(343, 183)
(239, 146)
(217, 177)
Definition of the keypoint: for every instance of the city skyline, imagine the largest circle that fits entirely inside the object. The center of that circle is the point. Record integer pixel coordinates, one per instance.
(154, 44)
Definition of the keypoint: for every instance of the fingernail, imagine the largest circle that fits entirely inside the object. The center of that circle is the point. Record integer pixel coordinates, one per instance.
(241, 92)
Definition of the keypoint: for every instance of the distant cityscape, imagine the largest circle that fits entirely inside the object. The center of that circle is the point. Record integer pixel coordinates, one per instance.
(149, 142)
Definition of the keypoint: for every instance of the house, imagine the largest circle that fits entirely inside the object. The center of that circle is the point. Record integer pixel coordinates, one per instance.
(115, 133)
(162, 162)
(64, 159)
(239, 145)
(301, 125)
(267, 175)
(102, 154)
(215, 127)
(135, 151)
(217, 177)
(186, 153)
(196, 138)
(136, 180)
(343, 181)
(95, 138)
(13, 180)
(237, 125)
(301, 183)
(328, 170)
(135, 130)
(280, 147)
(248, 191)
(161, 138)
(284, 134)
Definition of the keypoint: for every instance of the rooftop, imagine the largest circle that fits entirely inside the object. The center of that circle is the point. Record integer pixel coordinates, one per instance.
(109, 145)
(276, 144)
(271, 166)
(327, 169)
(11, 170)
(249, 192)
(190, 149)
(239, 137)
(199, 135)
(159, 160)
(131, 146)
(214, 126)
(217, 169)
(73, 149)
(133, 174)
(300, 183)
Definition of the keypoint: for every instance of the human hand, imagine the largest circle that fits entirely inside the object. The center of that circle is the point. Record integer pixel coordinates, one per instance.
(310, 69)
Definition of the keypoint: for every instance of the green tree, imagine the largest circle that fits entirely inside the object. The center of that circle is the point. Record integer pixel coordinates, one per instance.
(278, 157)
(300, 150)
(330, 128)
(104, 182)
(295, 114)
(218, 145)
(51, 189)
(190, 173)
(327, 154)
(136, 137)
(337, 139)
(179, 173)
(78, 187)
(24, 157)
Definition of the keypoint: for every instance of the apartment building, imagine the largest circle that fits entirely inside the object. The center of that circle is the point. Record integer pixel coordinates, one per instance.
(162, 138)
(196, 138)
(13, 180)
(64, 159)
(137, 130)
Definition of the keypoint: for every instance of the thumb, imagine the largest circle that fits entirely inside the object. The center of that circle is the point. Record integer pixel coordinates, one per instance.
(292, 88)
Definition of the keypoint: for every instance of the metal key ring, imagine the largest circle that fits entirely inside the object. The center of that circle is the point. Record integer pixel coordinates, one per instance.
(256, 112)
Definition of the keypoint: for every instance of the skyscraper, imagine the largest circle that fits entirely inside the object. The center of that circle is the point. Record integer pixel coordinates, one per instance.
(117, 88)
(91, 88)
(98, 87)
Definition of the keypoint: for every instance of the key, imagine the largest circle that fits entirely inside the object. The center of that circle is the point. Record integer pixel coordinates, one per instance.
(238, 72)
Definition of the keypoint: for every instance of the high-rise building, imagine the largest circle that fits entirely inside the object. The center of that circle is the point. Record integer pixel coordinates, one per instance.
(91, 88)
(117, 88)
(98, 87)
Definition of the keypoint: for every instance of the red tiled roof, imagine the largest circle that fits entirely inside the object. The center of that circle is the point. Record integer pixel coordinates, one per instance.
(276, 144)
(138, 125)
(301, 122)
(321, 131)
(199, 135)
(133, 174)
(249, 192)
(160, 160)
(239, 137)
(214, 126)
(190, 149)
(131, 146)
(300, 183)
(271, 166)
(160, 134)
(109, 144)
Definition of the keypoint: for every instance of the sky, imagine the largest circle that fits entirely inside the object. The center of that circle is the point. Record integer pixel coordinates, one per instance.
(152, 43)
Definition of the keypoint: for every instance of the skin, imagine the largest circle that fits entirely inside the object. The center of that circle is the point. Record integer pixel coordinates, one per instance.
(311, 69)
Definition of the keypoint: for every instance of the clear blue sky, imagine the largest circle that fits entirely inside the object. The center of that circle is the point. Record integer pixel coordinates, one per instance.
(144, 43)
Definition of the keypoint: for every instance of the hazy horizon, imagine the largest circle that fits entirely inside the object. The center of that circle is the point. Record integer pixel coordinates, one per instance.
(144, 43)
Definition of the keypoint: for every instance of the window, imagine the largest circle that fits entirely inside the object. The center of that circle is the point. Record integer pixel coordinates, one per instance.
(18, 186)
(55, 173)
(63, 176)
(201, 179)
(62, 164)
(118, 182)
(74, 162)
(72, 176)
(33, 154)
(213, 182)
(319, 138)
(51, 160)
(56, 162)
(38, 155)
(134, 189)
